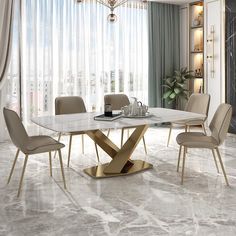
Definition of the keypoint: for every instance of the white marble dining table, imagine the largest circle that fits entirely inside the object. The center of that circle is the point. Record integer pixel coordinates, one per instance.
(121, 163)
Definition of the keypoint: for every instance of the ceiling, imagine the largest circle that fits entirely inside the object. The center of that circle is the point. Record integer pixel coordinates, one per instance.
(174, 1)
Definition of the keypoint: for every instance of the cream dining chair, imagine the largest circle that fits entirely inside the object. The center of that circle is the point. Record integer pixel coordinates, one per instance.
(118, 101)
(219, 127)
(197, 103)
(29, 145)
(71, 105)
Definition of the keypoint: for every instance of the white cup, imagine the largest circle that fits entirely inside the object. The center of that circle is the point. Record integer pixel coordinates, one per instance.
(144, 110)
(125, 110)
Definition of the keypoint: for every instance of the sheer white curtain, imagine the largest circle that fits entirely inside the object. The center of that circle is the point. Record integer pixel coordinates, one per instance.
(70, 48)
(9, 88)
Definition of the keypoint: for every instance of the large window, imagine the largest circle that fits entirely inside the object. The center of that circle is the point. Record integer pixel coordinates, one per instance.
(68, 48)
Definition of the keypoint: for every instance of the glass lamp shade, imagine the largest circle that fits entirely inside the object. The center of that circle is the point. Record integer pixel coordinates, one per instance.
(112, 18)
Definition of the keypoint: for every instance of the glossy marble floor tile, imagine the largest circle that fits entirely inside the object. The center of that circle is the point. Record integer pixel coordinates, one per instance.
(149, 203)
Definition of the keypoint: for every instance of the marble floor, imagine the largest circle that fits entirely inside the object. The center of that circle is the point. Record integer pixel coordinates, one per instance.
(148, 203)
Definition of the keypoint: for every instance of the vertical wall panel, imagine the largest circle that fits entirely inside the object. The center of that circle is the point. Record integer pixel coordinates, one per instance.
(215, 82)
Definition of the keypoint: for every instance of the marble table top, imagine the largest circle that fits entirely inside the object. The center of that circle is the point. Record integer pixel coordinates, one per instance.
(86, 122)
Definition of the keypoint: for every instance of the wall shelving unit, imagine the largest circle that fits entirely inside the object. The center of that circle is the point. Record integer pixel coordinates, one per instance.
(196, 46)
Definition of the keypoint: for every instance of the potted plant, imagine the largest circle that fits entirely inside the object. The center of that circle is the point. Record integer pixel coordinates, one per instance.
(174, 86)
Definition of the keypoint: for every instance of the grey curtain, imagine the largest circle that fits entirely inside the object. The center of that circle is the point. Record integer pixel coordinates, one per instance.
(164, 47)
(6, 19)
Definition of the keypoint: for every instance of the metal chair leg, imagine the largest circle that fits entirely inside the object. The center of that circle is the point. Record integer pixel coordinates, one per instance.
(62, 169)
(186, 128)
(144, 144)
(82, 139)
(70, 142)
(22, 175)
(59, 138)
(222, 166)
(122, 137)
(13, 165)
(50, 163)
(96, 148)
(183, 165)
(180, 149)
(204, 129)
(108, 132)
(213, 152)
(168, 141)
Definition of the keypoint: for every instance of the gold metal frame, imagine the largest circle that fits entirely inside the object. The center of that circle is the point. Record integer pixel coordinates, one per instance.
(70, 145)
(120, 163)
(24, 167)
(187, 129)
(214, 155)
(122, 138)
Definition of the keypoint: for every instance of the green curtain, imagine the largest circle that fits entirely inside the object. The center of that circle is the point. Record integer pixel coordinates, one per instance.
(164, 47)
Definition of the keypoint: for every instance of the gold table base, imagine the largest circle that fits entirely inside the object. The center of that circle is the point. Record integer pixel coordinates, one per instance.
(97, 172)
(121, 164)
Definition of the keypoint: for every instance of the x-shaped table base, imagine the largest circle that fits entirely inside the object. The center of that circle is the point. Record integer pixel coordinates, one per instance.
(120, 163)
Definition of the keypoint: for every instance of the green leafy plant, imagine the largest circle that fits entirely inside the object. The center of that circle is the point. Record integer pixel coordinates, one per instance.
(175, 85)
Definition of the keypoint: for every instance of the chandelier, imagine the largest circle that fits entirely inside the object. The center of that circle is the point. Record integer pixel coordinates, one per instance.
(112, 5)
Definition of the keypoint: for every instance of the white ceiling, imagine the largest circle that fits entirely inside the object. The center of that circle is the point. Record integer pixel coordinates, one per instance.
(174, 1)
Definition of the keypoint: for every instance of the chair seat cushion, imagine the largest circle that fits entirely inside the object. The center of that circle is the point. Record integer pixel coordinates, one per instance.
(42, 143)
(196, 140)
(188, 122)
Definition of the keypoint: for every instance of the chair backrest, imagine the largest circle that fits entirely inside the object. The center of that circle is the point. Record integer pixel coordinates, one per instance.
(198, 103)
(69, 105)
(15, 128)
(116, 100)
(220, 122)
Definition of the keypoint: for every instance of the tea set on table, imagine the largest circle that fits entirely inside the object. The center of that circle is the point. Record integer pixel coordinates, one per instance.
(135, 109)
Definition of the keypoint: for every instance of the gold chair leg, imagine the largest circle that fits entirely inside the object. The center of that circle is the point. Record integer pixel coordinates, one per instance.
(180, 149)
(62, 169)
(108, 132)
(50, 163)
(168, 141)
(189, 128)
(82, 139)
(144, 144)
(69, 152)
(186, 128)
(59, 138)
(13, 166)
(204, 129)
(96, 148)
(222, 166)
(22, 175)
(122, 137)
(213, 152)
(183, 165)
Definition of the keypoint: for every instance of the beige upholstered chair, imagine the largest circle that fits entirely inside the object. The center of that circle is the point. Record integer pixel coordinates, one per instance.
(198, 103)
(218, 127)
(29, 145)
(117, 101)
(71, 105)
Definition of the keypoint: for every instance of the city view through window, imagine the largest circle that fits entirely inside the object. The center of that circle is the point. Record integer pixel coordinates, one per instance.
(68, 48)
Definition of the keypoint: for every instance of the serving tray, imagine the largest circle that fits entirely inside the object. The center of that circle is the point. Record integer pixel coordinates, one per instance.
(146, 116)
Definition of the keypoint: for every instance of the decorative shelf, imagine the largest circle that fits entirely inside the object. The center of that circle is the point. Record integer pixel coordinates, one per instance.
(196, 41)
(197, 27)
